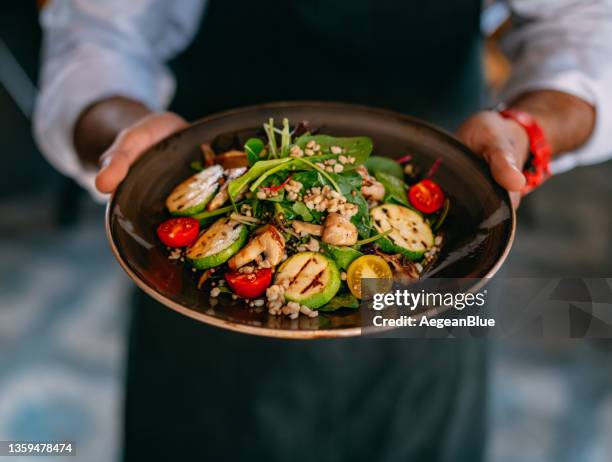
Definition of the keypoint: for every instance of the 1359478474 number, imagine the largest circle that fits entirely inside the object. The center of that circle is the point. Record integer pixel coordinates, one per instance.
(37, 448)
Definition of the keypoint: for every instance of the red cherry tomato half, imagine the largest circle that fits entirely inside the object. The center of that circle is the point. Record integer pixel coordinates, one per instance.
(249, 285)
(178, 232)
(426, 196)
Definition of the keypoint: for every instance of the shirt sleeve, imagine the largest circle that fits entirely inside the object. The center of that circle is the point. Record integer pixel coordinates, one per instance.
(565, 45)
(94, 49)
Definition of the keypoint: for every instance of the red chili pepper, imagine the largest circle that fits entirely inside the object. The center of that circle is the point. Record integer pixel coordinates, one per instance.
(276, 188)
(404, 159)
(434, 168)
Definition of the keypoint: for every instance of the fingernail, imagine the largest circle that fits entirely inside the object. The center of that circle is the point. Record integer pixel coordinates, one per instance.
(104, 162)
(511, 159)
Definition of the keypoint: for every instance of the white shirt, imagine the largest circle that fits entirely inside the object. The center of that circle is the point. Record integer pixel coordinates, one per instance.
(98, 48)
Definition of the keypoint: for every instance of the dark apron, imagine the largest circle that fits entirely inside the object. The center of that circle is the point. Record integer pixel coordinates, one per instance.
(200, 393)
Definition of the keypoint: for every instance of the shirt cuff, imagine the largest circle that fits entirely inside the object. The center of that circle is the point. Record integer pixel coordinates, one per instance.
(91, 73)
(575, 83)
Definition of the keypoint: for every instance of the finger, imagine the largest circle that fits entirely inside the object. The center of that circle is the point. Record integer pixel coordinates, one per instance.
(130, 144)
(496, 141)
(504, 168)
(113, 173)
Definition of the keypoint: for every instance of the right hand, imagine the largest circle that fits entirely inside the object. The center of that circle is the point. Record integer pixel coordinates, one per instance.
(131, 143)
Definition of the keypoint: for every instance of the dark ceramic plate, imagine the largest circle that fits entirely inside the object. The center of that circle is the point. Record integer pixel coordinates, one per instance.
(479, 230)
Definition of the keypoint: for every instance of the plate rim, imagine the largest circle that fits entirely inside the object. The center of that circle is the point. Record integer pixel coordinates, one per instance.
(343, 332)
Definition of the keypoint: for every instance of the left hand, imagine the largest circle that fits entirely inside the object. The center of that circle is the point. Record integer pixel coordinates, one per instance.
(503, 144)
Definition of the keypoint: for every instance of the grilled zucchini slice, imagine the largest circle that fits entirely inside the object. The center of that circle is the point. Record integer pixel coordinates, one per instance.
(192, 195)
(217, 244)
(410, 234)
(313, 279)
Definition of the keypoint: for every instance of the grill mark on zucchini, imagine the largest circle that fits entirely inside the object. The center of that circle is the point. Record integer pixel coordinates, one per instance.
(216, 244)
(192, 195)
(316, 281)
(311, 279)
(297, 275)
(409, 233)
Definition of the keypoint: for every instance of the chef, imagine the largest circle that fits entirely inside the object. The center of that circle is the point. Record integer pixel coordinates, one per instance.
(196, 392)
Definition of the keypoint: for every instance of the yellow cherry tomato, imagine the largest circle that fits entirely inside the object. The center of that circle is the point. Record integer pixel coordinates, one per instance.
(368, 266)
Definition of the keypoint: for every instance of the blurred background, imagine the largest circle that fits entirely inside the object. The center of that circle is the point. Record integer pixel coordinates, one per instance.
(63, 298)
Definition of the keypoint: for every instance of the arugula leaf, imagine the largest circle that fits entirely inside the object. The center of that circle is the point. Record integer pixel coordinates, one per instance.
(286, 210)
(326, 175)
(310, 179)
(280, 197)
(395, 189)
(270, 172)
(196, 165)
(343, 256)
(299, 208)
(265, 168)
(341, 301)
(253, 149)
(271, 181)
(237, 185)
(359, 147)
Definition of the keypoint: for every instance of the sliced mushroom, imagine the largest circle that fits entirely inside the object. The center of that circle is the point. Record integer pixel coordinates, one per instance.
(232, 159)
(267, 241)
(337, 230)
(373, 192)
(371, 189)
(303, 228)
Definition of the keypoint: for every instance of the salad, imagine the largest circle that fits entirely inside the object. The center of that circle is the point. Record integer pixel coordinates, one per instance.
(294, 220)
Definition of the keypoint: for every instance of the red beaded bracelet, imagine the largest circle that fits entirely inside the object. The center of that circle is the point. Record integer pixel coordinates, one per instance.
(537, 168)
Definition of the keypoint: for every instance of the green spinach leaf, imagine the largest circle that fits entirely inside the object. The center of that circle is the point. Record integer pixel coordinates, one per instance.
(299, 208)
(353, 195)
(353, 178)
(395, 189)
(310, 179)
(286, 210)
(253, 149)
(384, 164)
(343, 256)
(359, 147)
